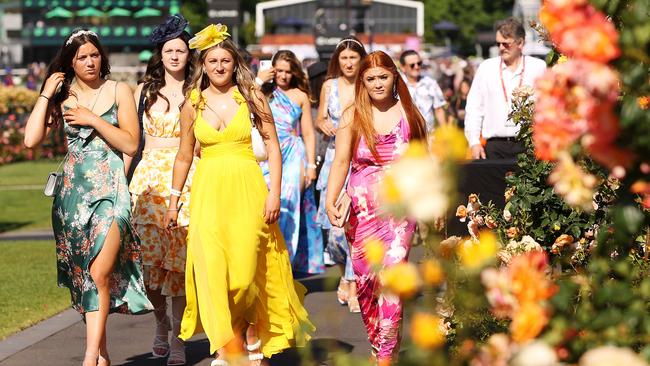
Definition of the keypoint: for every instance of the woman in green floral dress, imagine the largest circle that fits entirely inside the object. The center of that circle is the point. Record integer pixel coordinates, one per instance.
(98, 253)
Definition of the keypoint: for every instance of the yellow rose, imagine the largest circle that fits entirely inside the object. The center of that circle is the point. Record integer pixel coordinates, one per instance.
(427, 330)
(401, 279)
(432, 272)
(474, 254)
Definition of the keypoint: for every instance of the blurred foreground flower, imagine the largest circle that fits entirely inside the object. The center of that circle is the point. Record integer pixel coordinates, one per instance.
(428, 331)
(519, 292)
(474, 254)
(449, 142)
(432, 272)
(610, 355)
(579, 30)
(642, 188)
(573, 184)
(536, 353)
(375, 251)
(401, 279)
(416, 185)
(576, 99)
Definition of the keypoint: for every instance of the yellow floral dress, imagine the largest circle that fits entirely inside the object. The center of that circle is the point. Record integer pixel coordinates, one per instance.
(238, 269)
(163, 253)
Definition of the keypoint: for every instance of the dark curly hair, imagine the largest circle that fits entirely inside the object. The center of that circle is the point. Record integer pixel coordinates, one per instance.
(154, 77)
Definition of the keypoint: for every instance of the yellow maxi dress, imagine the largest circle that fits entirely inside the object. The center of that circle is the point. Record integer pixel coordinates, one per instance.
(237, 270)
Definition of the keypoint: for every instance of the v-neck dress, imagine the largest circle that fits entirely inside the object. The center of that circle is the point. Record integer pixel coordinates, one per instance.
(92, 196)
(238, 270)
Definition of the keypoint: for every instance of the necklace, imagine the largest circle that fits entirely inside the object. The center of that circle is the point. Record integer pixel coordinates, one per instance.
(94, 94)
(521, 78)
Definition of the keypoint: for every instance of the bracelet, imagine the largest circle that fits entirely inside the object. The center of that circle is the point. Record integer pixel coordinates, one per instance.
(174, 192)
(41, 95)
(172, 209)
(259, 81)
(312, 166)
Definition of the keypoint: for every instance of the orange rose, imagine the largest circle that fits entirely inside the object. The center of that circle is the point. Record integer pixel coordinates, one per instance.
(490, 222)
(528, 322)
(512, 232)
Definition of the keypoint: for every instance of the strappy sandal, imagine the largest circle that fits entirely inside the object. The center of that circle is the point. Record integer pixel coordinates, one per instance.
(177, 348)
(255, 356)
(161, 336)
(342, 295)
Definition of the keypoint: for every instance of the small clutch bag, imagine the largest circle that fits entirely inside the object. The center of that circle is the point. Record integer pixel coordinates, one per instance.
(343, 206)
(53, 182)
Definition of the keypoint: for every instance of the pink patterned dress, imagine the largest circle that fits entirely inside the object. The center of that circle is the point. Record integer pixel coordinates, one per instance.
(381, 313)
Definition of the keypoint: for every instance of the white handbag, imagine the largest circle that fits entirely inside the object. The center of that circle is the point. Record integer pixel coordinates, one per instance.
(259, 149)
(54, 180)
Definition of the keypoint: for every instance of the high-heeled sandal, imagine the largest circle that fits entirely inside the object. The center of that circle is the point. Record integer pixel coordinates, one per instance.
(353, 304)
(161, 336)
(342, 295)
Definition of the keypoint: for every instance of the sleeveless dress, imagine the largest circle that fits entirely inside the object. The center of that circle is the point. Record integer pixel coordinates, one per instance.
(337, 245)
(297, 211)
(163, 251)
(381, 313)
(238, 270)
(92, 196)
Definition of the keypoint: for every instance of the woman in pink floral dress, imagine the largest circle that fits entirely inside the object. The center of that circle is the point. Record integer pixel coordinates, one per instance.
(371, 136)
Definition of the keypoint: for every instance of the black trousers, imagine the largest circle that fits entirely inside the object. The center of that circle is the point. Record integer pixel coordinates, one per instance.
(503, 148)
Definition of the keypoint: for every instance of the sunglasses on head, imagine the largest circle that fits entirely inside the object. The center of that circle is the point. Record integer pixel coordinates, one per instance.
(419, 63)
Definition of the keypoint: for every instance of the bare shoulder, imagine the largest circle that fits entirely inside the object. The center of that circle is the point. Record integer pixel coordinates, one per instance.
(188, 110)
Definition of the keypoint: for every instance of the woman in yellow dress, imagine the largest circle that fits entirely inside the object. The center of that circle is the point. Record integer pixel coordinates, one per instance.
(238, 274)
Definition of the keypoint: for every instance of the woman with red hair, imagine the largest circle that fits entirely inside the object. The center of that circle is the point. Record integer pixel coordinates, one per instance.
(371, 136)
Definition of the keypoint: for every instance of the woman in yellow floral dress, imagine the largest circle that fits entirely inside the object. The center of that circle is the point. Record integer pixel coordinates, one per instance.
(238, 275)
(161, 94)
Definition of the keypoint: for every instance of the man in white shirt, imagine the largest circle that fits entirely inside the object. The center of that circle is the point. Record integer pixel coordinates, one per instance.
(424, 90)
(490, 96)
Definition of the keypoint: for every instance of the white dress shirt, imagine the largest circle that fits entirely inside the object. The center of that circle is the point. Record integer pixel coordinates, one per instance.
(487, 111)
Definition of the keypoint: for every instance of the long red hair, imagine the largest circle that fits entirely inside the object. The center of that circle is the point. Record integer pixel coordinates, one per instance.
(362, 124)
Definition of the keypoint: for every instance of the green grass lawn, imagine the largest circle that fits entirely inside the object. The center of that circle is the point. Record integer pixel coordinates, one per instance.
(25, 209)
(28, 288)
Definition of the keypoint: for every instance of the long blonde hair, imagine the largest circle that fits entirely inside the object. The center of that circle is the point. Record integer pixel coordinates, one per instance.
(242, 77)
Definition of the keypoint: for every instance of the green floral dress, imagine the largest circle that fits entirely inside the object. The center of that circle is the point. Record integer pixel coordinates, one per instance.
(92, 195)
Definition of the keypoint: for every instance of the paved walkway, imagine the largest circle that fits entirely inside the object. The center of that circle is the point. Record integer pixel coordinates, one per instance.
(59, 341)
(130, 337)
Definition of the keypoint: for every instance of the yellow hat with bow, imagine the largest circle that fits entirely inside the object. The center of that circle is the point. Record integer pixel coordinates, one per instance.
(209, 36)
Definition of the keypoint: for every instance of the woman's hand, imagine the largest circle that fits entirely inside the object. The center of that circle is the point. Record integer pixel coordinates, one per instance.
(327, 127)
(266, 75)
(310, 176)
(272, 208)
(80, 116)
(52, 83)
(170, 220)
(332, 214)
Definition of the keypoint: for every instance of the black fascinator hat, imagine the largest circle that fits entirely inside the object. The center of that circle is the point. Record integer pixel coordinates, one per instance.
(173, 27)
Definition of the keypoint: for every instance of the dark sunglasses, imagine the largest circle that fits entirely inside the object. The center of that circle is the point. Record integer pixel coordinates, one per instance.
(419, 63)
(505, 44)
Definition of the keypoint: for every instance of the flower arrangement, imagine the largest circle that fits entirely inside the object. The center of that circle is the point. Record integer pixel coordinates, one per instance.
(15, 104)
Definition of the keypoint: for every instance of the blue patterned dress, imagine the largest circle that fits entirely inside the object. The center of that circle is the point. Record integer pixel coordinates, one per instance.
(297, 209)
(337, 244)
(92, 196)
